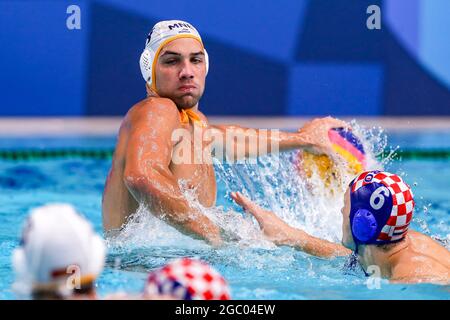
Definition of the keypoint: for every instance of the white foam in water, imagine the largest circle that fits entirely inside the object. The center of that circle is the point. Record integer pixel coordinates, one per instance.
(275, 184)
(144, 230)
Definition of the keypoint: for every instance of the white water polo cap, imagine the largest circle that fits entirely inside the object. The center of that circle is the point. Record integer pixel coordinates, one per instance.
(58, 243)
(163, 33)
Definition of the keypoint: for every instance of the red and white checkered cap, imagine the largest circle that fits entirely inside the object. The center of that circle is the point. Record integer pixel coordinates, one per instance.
(188, 279)
(402, 202)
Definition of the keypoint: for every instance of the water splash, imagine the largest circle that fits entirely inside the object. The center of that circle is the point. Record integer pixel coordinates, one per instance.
(145, 230)
(274, 183)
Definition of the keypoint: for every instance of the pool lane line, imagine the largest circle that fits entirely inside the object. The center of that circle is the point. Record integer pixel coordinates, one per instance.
(419, 154)
(107, 153)
(39, 154)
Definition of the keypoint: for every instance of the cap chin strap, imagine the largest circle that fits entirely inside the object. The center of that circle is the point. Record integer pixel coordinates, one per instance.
(188, 114)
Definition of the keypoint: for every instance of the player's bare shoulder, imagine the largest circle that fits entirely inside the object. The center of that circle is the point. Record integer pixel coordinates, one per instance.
(418, 268)
(430, 247)
(154, 109)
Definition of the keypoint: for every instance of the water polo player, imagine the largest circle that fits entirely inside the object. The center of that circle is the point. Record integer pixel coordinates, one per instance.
(174, 65)
(378, 208)
(60, 255)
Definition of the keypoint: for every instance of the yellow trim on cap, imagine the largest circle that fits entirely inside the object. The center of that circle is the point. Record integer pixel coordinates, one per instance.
(87, 279)
(160, 48)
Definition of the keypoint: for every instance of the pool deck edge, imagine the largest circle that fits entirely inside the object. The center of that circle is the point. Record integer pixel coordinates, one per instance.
(107, 126)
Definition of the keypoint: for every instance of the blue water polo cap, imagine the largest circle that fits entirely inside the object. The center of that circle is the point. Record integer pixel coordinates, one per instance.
(381, 208)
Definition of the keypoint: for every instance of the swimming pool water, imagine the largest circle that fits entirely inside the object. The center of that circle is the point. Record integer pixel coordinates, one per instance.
(254, 268)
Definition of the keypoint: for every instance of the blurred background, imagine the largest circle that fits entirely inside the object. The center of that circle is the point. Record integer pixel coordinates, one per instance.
(268, 58)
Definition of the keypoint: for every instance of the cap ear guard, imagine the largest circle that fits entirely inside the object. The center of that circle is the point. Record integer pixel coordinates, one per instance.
(206, 61)
(364, 226)
(146, 64)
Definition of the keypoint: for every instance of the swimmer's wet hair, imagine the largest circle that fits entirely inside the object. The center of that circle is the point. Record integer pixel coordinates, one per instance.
(87, 288)
(388, 246)
(46, 295)
(42, 294)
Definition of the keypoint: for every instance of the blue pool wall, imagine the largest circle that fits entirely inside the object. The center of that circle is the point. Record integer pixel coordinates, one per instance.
(284, 58)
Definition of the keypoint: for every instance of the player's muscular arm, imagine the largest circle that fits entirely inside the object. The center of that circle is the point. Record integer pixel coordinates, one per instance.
(147, 174)
(236, 142)
(282, 234)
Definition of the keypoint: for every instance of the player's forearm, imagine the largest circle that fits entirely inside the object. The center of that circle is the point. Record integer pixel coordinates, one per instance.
(292, 140)
(239, 142)
(166, 200)
(314, 246)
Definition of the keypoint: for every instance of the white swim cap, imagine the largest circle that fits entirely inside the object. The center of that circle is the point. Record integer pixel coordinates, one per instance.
(163, 33)
(57, 243)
